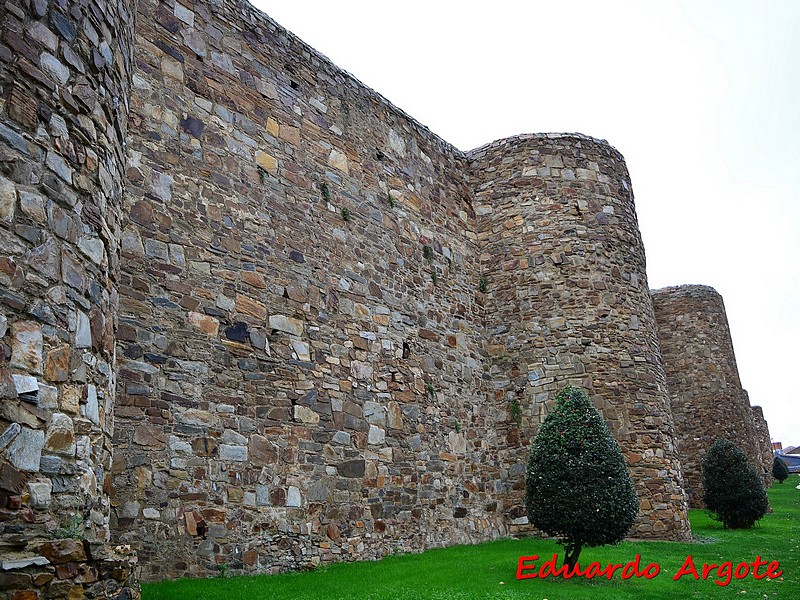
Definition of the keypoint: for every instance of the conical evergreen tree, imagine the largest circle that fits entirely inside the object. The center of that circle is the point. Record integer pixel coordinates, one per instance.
(779, 470)
(577, 487)
(733, 493)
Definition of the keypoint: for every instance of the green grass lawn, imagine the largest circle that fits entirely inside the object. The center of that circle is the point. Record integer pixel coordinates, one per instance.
(489, 570)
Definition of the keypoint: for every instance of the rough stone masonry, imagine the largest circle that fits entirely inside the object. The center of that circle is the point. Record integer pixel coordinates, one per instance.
(254, 315)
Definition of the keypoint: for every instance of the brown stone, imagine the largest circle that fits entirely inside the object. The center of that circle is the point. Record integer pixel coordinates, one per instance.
(151, 436)
(56, 366)
(63, 551)
(261, 451)
(250, 307)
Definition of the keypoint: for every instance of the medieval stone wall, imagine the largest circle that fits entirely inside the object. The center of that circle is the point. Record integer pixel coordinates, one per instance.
(763, 443)
(299, 336)
(567, 301)
(707, 398)
(64, 76)
(315, 330)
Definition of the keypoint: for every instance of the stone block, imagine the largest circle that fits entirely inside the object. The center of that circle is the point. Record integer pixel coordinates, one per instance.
(25, 451)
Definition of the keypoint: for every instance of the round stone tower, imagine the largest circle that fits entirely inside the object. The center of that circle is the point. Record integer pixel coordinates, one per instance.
(567, 301)
(707, 398)
(64, 78)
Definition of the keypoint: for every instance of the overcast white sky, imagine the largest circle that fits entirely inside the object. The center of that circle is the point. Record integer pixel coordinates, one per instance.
(702, 98)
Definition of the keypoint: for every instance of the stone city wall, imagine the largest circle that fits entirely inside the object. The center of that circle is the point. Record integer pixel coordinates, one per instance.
(299, 342)
(763, 443)
(315, 330)
(567, 301)
(706, 396)
(64, 84)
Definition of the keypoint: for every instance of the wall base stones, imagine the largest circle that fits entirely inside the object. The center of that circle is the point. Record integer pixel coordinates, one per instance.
(68, 568)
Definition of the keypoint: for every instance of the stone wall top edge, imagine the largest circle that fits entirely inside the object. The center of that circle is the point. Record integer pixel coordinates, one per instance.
(689, 289)
(538, 138)
(356, 83)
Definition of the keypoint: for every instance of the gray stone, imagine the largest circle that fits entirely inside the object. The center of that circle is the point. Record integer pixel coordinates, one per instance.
(54, 67)
(58, 126)
(352, 468)
(41, 494)
(341, 437)
(33, 205)
(230, 437)
(59, 166)
(233, 453)
(9, 434)
(286, 324)
(293, 498)
(92, 247)
(376, 435)
(10, 564)
(374, 413)
(129, 509)
(8, 200)
(262, 495)
(361, 370)
(3, 325)
(83, 331)
(25, 384)
(25, 451)
(92, 410)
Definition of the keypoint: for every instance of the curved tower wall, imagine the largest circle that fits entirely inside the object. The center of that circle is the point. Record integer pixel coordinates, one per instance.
(763, 443)
(567, 302)
(64, 80)
(707, 398)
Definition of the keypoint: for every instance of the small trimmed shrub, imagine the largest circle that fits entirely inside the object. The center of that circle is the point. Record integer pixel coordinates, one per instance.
(779, 470)
(577, 487)
(734, 493)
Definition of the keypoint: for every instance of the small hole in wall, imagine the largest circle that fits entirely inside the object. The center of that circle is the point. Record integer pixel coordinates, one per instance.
(406, 350)
(379, 155)
(295, 85)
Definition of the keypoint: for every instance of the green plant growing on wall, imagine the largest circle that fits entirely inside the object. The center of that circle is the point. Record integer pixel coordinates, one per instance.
(223, 570)
(326, 192)
(73, 528)
(779, 470)
(434, 277)
(733, 492)
(346, 214)
(427, 252)
(516, 412)
(391, 201)
(457, 426)
(577, 487)
(483, 284)
(262, 174)
(430, 389)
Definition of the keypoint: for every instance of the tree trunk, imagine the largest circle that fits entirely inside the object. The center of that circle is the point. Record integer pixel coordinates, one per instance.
(571, 553)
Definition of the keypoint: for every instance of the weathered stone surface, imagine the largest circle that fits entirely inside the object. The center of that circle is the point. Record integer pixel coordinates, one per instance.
(26, 348)
(63, 551)
(9, 434)
(206, 324)
(352, 468)
(40, 494)
(25, 451)
(8, 200)
(305, 415)
(286, 324)
(261, 451)
(60, 437)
